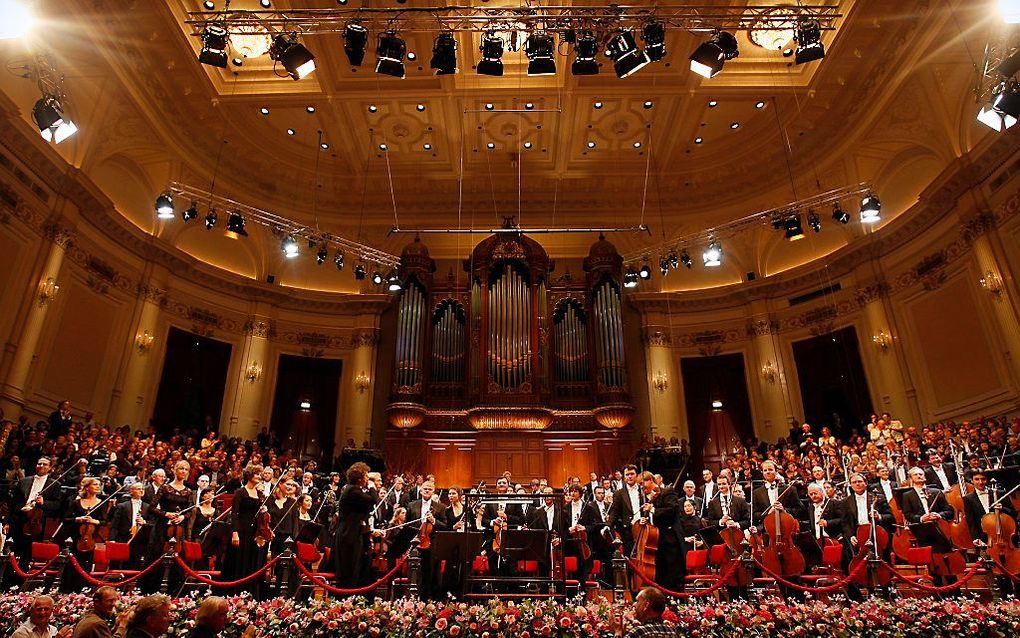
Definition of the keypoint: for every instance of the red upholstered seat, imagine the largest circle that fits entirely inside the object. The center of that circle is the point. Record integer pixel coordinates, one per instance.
(118, 553)
(480, 565)
(44, 552)
(527, 566)
(697, 561)
(309, 555)
(717, 554)
(919, 555)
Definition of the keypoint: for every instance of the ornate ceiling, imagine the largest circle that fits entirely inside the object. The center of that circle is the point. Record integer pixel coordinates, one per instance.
(890, 104)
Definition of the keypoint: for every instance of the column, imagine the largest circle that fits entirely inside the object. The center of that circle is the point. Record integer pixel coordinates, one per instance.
(769, 376)
(246, 389)
(358, 388)
(130, 403)
(12, 391)
(665, 387)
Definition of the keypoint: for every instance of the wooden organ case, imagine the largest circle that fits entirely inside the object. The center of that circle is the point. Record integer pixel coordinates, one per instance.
(521, 371)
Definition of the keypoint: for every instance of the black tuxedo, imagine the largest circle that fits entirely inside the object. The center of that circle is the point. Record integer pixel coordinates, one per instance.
(514, 514)
(621, 516)
(429, 585)
(393, 501)
(937, 503)
(697, 500)
(121, 523)
(594, 522)
(58, 424)
(932, 480)
(850, 514)
(700, 492)
(739, 511)
(589, 490)
(831, 513)
(51, 507)
(974, 510)
(761, 504)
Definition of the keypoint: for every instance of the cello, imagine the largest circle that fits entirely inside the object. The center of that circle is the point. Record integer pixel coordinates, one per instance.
(878, 537)
(646, 543)
(958, 531)
(1001, 529)
(781, 555)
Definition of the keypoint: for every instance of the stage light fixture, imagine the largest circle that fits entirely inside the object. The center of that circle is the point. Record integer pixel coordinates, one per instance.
(190, 213)
(321, 255)
(391, 50)
(235, 226)
(708, 59)
(630, 279)
(794, 229)
(54, 125)
(444, 54)
(338, 260)
(995, 120)
(840, 215)
(654, 36)
(809, 42)
(685, 259)
(359, 272)
(645, 272)
(214, 46)
(712, 255)
(377, 277)
(1007, 100)
(814, 221)
(541, 50)
(674, 261)
(393, 282)
(664, 266)
(295, 58)
(626, 56)
(165, 205)
(492, 52)
(290, 247)
(586, 47)
(871, 208)
(355, 40)
(210, 219)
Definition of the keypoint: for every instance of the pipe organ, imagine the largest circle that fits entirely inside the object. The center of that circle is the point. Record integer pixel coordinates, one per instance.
(518, 347)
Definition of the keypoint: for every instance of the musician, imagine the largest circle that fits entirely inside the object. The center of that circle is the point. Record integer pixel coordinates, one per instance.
(593, 483)
(818, 477)
(282, 515)
(351, 558)
(767, 497)
(690, 494)
(131, 513)
(509, 514)
(924, 504)
(156, 481)
(883, 483)
(709, 489)
(979, 502)
(308, 486)
(862, 507)
(689, 525)
(200, 486)
(726, 509)
(426, 510)
(662, 509)
(822, 521)
(625, 511)
(574, 514)
(398, 496)
(549, 517)
(937, 475)
(83, 511)
(595, 519)
(60, 420)
(38, 491)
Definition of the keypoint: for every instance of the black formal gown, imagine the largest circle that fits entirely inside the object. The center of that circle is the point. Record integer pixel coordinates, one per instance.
(283, 522)
(71, 529)
(351, 543)
(246, 557)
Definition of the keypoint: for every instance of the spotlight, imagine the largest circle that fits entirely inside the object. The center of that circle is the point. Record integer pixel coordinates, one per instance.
(814, 221)
(794, 230)
(654, 36)
(190, 213)
(235, 226)
(321, 255)
(54, 125)
(995, 120)
(712, 255)
(664, 266)
(840, 215)
(391, 50)
(359, 272)
(871, 207)
(377, 277)
(626, 56)
(293, 55)
(541, 49)
(290, 247)
(355, 41)
(444, 54)
(630, 279)
(809, 42)
(1007, 100)
(1009, 66)
(585, 49)
(674, 262)
(393, 282)
(492, 51)
(214, 46)
(210, 219)
(1010, 10)
(15, 19)
(708, 59)
(165, 206)
(645, 272)
(685, 259)
(338, 259)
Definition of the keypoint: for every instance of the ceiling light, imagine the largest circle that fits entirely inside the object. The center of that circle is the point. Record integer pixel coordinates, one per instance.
(210, 219)
(541, 49)
(324, 146)
(321, 255)
(444, 54)
(1010, 10)
(734, 125)
(527, 145)
(291, 131)
(591, 144)
(871, 208)
(427, 146)
(383, 147)
(637, 144)
(708, 59)
(631, 279)
(377, 277)
(585, 49)
(760, 104)
(529, 106)
(1006, 100)
(393, 282)
(165, 206)
(995, 120)
(265, 3)
(492, 52)
(15, 19)
(359, 272)
(264, 111)
(338, 260)
(699, 140)
(673, 261)
(290, 247)
(648, 104)
(814, 221)
(412, 56)
(355, 40)
(654, 36)
(597, 105)
(310, 109)
(235, 226)
(716, 404)
(295, 58)
(712, 255)
(53, 124)
(391, 50)
(372, 108)
(214, 46)
(839, 214)
(190, 213)
(626, 56)
(809, 41)
(685, 259)
(420, 108)
(490, 146)
(237, 61)
(645, 272)
(713, 103)
(794, 230)
(305, 404)
(489, 106)
(664, 266)
(209, 5)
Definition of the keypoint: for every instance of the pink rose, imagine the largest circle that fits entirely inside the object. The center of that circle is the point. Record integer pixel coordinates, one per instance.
(441, 624)
(455, 630)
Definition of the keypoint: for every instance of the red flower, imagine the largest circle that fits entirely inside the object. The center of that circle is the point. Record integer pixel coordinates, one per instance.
(765, 614)
(669, 616)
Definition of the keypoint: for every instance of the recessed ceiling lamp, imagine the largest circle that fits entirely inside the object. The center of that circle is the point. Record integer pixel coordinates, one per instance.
(393, 282)
(214, 46)
(760, 104)
(585, 50)
(266, 3)
(295, 58)
(264, 111)
(541, 49)
(54, 125)
(444, 54)
(290, 247)
(492, 53)
(631, 279)
(809, 42)
(597, 105)
(708, 59)
(794, 230)
(712, 255)
(871, 208)
(840, 215)
(355, 40)
(235, 226)
(654, 36)
(626, 56)
(209, 5)
(190, 213)
(527, 145)
(165, 205)
(391, 50)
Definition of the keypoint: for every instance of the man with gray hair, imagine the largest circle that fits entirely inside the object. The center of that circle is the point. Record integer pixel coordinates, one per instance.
(38, 624)
(96, 623)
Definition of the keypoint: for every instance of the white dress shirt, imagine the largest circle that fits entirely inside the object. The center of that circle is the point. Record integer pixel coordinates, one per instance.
(862, 508)
(633, 491)
(887, 490)
(924, 499)
(38, 483)
(985, 499)
(575, 512)
(940, 472)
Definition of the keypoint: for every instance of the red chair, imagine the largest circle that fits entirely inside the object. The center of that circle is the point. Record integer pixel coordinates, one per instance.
(527, 566)
(831, 568)
(118, 553)
(480, 565)
(309, 555)
(99, 562)
(570, 567)
(699, 574)
(41, 553)
(192, 555)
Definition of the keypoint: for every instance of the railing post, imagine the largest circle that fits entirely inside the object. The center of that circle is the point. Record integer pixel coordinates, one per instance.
(168, 563)
(413, 569)
(283, 568)
(619, 568)
(61, 565)
(747, 564)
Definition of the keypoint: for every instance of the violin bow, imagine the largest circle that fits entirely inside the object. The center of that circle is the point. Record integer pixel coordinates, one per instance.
(215, 520)
(268, 496)
(58, 479)
(105, 500)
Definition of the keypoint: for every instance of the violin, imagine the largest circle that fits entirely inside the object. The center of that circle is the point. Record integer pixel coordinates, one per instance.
(263, 529)
(33, 521)
(581, 536)
(425, 531)
(87, 536)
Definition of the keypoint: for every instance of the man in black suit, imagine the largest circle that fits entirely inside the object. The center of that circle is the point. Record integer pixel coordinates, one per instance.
(126, 515)
(976, 505)
(858, 507)
(156, 481)
(690, 495)
(60, 420)
(662, 509)
(821, 521)
(429, 587)
(589, 488)
(549, 517)
(626, 502)
(923, 504)
(709, 489)
(938, 475)
(573, 514)
(511, 514)
(773, 494)
(38, 491)
(595, 519)
(727, 510)
(398, 495)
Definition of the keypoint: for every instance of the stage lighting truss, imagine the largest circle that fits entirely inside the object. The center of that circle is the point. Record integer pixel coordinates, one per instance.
(997, 76)
(280, 226)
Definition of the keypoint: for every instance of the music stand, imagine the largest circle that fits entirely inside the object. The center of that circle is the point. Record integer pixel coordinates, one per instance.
(711, 536)
(457, 549)
(309, 532)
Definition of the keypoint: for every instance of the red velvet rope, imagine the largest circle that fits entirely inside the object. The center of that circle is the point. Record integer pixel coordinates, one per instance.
(913, 581)
(719, 584)
(26, 575)
(95, 582)
(814, 590)
(1003, 568)
(228, 583)
(312, 576)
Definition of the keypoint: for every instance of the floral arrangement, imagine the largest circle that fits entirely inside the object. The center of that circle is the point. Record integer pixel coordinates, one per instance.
(408, 618)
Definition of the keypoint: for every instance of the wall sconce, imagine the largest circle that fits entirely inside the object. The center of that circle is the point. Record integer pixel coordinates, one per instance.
(882, 340)
(361, 381)
(47, 291)
(144, 341)
(254, 372)
(660, 381)
(768, 372)
(992, 284)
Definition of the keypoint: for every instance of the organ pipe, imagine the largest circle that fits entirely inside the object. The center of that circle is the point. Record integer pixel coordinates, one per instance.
(409, 337)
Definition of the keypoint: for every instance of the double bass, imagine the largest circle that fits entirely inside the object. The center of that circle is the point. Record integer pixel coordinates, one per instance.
(646, 543)
(781, 555)
(878, 537)
(1001, 529)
